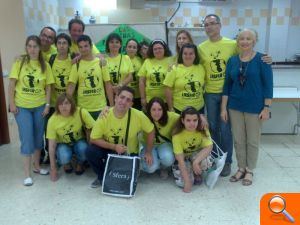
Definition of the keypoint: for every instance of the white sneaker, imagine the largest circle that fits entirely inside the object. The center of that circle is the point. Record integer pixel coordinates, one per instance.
(28, 181)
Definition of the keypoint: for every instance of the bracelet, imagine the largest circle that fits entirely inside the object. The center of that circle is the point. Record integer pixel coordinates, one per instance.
(266, 106)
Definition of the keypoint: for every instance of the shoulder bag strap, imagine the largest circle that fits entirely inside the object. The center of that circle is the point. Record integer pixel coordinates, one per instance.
(158, 134)
(119, 75)
(82, 121)
(127, 127)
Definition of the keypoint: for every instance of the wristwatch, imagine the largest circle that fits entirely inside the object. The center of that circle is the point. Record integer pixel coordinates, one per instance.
(266, 106)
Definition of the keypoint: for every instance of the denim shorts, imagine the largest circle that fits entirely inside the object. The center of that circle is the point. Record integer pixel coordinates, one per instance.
(31, 126)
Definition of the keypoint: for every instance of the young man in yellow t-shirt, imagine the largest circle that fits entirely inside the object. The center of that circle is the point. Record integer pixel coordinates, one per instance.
(91, 79)
(214, 54)
(108, 134)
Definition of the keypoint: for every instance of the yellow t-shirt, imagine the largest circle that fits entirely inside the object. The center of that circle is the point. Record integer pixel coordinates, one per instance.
(74, 49)
(187, 84)
(61, 71)
(166, 130)
(46, 55)
(188, 142)
(113, 129)
(137, 64)
(214, 57)
(155, 71)
(113, 68)
(90, 79)
(68, 129)
(31, 83)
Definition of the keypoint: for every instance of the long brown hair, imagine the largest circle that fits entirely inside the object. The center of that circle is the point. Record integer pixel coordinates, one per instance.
(179, 126)
(187, 34)
(25, 58)
(164, 118)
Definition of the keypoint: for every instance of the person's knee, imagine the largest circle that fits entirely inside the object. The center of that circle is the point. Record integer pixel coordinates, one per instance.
(150, 168)
(64, 155)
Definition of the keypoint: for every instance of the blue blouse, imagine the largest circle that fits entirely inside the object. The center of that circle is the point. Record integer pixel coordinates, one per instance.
(248, 84)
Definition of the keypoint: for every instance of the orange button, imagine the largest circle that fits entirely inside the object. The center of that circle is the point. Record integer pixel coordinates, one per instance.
(280, 208)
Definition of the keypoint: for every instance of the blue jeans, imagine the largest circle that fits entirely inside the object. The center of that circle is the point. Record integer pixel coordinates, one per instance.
(219, 130)
(64, 152)
(31, 125)
(162, 157)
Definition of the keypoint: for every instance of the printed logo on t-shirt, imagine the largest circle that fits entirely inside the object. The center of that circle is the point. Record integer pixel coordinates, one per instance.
(60, 79)
(192, 88)
(115, 136)
(91, 82)
(157, 77)
(69, 135)
(217, 66)
(114, 76)
(31, 82)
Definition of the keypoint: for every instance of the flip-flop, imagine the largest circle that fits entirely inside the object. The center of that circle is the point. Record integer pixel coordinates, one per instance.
(41, 171)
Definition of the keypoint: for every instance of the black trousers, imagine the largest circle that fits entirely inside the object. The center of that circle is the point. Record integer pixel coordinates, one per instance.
(97, 156)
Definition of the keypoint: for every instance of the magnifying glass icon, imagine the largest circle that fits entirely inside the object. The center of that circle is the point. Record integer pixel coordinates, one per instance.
(277, 205)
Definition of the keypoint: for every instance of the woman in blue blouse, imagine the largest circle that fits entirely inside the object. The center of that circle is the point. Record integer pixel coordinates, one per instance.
(247, 95)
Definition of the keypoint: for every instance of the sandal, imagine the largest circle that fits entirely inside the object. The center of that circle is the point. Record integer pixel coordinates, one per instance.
(68, 168)
(247, 181)
(79, 169)
(240, 174)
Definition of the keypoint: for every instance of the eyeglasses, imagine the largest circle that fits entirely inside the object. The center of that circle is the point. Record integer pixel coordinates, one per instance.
(210, 24)
(50, 38)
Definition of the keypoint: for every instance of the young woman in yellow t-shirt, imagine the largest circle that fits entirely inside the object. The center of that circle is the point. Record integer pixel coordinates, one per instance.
(29, 100)
(64, 132)
(163, 121)
(132, 48)
(184, 84)
(153, 71)
(192, 145)
(119, 66)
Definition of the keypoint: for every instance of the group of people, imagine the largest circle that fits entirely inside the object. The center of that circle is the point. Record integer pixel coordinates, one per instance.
(164, 108)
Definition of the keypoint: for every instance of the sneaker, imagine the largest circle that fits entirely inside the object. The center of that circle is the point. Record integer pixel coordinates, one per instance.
(226, 170)
(28, 181)
(96, 183)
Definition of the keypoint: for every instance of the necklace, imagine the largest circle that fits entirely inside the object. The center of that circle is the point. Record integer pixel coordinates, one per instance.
(242, 77)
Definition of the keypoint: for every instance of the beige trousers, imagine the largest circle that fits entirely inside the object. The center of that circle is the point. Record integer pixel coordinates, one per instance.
(246, 130)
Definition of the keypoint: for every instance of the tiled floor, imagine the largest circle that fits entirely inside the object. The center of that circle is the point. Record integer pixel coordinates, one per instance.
(70, 200)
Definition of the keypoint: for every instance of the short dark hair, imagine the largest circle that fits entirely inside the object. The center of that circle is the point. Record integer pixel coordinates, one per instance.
(167, 51)
(125, 88)
(50, 28)
(78, 21)
(84, 38)
(164, 118)
(218, 20)
(188, 45)
(111, 37)
(63, 36)
(61, 98)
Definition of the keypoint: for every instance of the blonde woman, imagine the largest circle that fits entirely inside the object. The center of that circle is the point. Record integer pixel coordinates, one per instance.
(247, 96)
